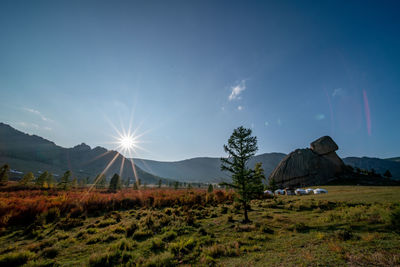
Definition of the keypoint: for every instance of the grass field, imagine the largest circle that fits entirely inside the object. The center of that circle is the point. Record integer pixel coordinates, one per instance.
(349, 226)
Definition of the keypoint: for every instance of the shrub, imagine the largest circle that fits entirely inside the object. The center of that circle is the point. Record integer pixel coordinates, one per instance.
(141, 234)
(300, 227)
(106, 223)
(16, 258)
(344, 234)
(91, 231)
(119, 230)
(266, 229)
(50, 253)
(202, 231)
(131, 229)
(169, 236)
(164, 259)
(182, 247)
(394, 218)
(224, 210)
(69, 223)
(156, 244)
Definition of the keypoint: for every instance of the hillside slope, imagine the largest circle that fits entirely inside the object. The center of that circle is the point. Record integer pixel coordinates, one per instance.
(24, 152)
(204, 169)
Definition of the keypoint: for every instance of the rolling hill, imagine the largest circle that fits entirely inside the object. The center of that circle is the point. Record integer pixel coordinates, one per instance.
(204, 169)
(24, 152)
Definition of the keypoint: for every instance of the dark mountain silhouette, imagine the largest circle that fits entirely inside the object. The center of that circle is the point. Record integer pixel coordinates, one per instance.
(397, 159)
(206, 169)
(24, 152)
(379, 165)
(203, 169)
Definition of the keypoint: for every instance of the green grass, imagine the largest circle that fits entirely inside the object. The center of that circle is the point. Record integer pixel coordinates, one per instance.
(349, 226)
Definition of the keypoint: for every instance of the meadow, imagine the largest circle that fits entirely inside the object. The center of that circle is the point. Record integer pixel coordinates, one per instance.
(349, 226)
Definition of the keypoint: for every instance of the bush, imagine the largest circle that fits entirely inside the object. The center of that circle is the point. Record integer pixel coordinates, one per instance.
(156, 244)
(16, 258)
(119, 230)
(141, 234)
(266, 229)
(169, 236)
(182, 247)
(165, 259)
(394, 218)
(130, 230)
(344, 234)
(106, 223)
(91, 231)
(50, 253)
(300, 227)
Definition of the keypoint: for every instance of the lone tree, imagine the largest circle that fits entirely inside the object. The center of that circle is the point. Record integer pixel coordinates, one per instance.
(240, 148)
(41, 180)
(115, 183)
(100, 181)
(387, 174)
(65, 182)
(27, 179)
(4, 174)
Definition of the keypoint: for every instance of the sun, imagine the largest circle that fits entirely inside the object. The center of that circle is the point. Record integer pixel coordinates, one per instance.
(127, 142)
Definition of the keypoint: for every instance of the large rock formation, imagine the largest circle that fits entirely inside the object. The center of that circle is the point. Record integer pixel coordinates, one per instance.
(310, 166)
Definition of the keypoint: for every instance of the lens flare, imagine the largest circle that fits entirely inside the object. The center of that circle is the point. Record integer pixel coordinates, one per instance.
(367, 112)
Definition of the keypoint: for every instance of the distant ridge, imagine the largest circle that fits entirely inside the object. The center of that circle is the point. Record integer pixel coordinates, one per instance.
(202, 169)
(24, 152)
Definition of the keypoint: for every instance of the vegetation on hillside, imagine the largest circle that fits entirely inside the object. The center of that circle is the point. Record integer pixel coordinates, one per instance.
(350, 225)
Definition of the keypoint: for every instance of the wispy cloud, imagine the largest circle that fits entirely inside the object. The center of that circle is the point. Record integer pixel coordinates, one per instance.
(319, 117)
(338, 92)
(237, 90)
(240, 108)
(279, 122)
(266, 123)
(38, 113)
(28, 125)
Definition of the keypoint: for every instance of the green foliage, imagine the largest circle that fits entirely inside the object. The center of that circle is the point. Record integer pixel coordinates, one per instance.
(387, 174)
(16, 258)
(246, 182)
(159, 183)
(100, 181)
(74, 183)
(272, 184)
(176, 185)
(165, 259)
(210, 188)
(395, 219)
(50, 252)
(65, 181)
(27, 178)
(42, 179)
(4, 174)
(115, 183)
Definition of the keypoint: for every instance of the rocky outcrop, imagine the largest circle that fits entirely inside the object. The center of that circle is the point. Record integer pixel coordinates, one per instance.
(324, 145)
(310, 166)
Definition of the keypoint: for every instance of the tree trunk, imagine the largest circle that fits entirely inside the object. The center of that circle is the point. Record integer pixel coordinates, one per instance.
(246, 218)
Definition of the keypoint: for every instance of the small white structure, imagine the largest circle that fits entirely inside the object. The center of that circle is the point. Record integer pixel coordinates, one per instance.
(279, 192)
(268, 193)
(320, 191)
(300, 192)
(309, 191)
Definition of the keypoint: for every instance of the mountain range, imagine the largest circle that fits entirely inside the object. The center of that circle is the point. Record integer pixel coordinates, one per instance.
(24, 152)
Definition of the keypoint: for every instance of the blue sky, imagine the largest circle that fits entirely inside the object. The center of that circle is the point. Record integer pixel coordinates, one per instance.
(189, 72)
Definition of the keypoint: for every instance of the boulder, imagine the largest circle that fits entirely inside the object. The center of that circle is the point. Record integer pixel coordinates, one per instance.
(324, 145)
(306, 167)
